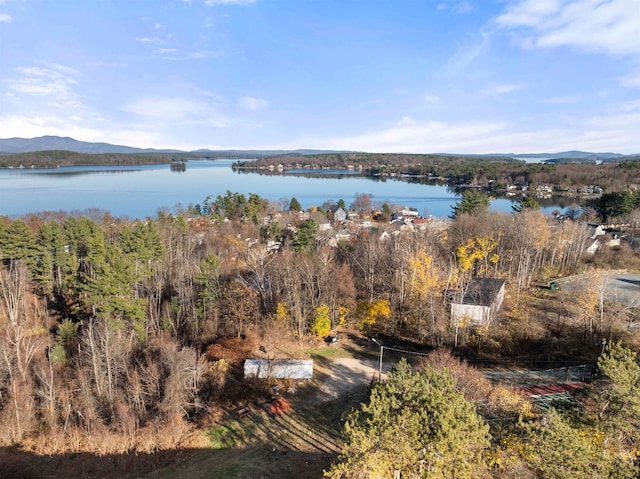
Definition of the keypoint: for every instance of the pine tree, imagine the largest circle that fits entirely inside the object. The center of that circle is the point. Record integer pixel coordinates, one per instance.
(294, 205)
(471, 202)
(305, 236)
(414, 425)
(558, 451)
(616, 391)
(526, 203)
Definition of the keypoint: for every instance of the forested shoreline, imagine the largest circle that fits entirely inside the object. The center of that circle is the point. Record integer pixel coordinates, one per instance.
(492, 173)
(119, 336)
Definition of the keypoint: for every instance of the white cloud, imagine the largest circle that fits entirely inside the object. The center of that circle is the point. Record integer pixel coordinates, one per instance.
(626, 106)
(29, 127)
(441, 6)
(431, 98)
(50, 80)
(186, 111)
(632, 80)
(606, 26)
(502, 89)
(5, 18)
(158, 26)
(251, 103)
(616, 132)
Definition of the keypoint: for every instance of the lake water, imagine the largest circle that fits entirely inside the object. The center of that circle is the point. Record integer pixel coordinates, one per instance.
(140, 191)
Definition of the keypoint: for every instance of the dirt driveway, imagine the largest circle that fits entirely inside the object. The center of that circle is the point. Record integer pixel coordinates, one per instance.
(343, 375)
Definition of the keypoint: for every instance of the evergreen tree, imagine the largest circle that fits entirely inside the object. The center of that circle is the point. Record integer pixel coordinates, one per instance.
(558, 451)
(617, 396)
(294, 205)
(417, 425)
(617, 203)
(471, 202)
(18, 242)
(526, 203)
(305, 236)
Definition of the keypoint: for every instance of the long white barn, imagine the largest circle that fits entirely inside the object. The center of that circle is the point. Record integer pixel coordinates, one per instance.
(278, 368)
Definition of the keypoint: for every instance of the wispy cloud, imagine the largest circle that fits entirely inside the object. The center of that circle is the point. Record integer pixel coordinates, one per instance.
(457, 7)
(48, 80)
(466, 54)
(164, 51)
(32, 126)
(5, 18)
(180, 110)
(498, 89)
(602, 133)
(593, 25)
(158, 26)
(561, 100)
(431, 98)
(151, 40)
(626, 106)
(632, 80)
(172, 54)
(229, 2)
(463, 7)
(76, 127)
(251, 103)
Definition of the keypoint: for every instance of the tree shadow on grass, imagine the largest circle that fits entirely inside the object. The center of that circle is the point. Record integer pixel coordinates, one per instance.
(262, 460)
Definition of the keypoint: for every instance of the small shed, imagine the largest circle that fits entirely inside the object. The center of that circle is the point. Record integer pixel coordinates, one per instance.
(481, 300)
(278, 368)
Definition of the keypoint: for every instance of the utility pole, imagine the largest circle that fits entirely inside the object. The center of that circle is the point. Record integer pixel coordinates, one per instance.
(381, 352)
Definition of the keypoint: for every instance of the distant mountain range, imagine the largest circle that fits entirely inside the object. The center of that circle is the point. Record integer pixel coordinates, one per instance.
(44, 143)
(567, 155)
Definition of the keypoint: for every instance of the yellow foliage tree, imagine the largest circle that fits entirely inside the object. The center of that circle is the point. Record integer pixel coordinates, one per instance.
(478, 253)
(281, 312)
(425, 285)
(343, 315)
(371, 312)
(322, 321)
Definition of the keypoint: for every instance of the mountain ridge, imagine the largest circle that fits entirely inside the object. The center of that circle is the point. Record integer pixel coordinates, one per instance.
(49, 142)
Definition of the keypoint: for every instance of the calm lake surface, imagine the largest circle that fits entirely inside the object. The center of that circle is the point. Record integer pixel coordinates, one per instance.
(140, 191)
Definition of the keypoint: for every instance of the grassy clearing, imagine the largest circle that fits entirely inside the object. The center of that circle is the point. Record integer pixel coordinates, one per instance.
(330, 352)
(300, 444)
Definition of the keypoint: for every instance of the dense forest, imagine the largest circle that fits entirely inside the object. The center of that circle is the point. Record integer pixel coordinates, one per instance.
(58, 158)
(113, 332)
(488, 172)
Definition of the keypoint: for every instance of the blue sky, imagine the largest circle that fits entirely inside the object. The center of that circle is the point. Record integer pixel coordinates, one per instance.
(472, 76)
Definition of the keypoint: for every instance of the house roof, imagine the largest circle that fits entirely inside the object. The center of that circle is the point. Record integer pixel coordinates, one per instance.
(482, 291)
